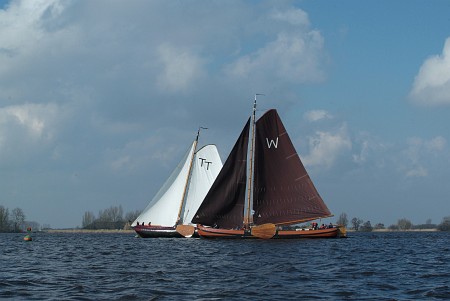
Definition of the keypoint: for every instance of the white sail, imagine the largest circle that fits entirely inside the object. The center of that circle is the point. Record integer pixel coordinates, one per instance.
(164, 207)
(206, 167)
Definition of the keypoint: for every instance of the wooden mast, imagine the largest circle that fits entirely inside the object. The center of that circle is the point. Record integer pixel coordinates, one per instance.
(183, 198)
(248, 219)
(264, 231)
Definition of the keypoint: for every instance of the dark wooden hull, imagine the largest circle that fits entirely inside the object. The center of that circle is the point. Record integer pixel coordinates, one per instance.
(207, 232)
(145, 231)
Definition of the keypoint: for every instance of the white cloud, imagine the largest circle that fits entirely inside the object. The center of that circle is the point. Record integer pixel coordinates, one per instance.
(417, 156)
(363, 154)
(295, 17)
(436, 144)
(316, 115)
(25, 30)
(432, 83)
(291, 57)
(419, 171)
(36, 119)
(295, 55)
(120, 163)
(326, 147)
(37, 61)
(19, 26)
(27, 129)
(419, 147)
(369, 151)
(181, 68)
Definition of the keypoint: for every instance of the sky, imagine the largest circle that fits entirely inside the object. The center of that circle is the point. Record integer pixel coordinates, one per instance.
(99, 100)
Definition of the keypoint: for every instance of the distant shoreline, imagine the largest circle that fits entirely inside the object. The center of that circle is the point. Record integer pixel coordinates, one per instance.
(103, 231)
(389, 230)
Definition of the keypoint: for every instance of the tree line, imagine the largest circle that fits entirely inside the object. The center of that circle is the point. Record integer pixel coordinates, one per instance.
(114, 218)
(110, 218)
(403, 224)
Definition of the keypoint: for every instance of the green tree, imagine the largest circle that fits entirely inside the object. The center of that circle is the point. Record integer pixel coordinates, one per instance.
(445, 225)
(115, 217)
(356, 222)
(102, 220)
(404, 224)
(342, 220)
(111, 218)
(18, 218)
(366, 227)
(393, 227)
(88, 220)
(5, 223)
(379, 226)
(132, 216)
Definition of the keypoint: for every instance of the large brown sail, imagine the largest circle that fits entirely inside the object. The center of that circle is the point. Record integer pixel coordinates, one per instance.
(223, 206)
(283, 192)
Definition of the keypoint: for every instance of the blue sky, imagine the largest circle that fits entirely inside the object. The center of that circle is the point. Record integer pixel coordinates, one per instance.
(100, 99)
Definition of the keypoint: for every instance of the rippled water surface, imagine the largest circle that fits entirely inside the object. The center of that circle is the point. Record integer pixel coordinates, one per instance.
(366, 266)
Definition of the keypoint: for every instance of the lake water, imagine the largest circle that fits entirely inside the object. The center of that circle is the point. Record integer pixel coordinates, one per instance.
(365, 266)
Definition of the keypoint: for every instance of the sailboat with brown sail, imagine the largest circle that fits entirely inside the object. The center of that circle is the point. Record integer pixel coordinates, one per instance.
(173, 207)
(263, 197)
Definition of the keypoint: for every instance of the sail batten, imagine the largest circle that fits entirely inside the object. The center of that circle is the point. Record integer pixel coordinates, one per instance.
(293, 155)
(298, 179)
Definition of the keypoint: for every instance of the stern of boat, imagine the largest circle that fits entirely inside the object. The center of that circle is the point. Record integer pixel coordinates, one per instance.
(342, 231)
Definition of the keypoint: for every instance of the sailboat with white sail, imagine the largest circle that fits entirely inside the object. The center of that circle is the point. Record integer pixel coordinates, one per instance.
(173, 207)
(263, 197)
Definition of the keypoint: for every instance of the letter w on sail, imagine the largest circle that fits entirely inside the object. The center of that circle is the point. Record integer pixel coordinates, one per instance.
(271, 142)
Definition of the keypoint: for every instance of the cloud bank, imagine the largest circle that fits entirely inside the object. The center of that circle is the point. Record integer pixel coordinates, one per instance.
(432, 84)
(90, 102)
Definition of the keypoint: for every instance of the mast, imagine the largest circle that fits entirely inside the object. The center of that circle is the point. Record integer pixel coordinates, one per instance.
(248, 219)
(183, 198)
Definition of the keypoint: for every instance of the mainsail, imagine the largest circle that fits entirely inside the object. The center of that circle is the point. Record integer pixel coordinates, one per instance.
(183, 188)
(283, 192)
(223, 206)
(207, 165)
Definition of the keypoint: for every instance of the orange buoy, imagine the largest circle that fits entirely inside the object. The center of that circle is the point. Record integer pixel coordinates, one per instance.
(28, 236)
